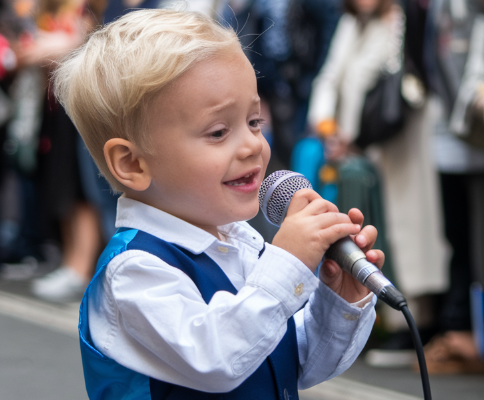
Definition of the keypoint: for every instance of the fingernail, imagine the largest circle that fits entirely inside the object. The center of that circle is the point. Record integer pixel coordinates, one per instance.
(357, 226)
(361, 240)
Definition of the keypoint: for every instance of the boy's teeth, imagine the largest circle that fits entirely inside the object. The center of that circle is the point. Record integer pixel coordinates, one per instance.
(240, 181)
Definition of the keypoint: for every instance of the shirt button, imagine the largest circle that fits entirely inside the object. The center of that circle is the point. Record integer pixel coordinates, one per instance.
(350, 317)
(299, 289)
(286, 394)
(223, 249)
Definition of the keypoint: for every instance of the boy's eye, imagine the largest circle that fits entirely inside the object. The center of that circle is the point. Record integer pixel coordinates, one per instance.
(218, 134)
(257, 123)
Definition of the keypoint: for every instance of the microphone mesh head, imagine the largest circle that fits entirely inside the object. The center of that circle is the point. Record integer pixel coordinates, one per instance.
(276, 193)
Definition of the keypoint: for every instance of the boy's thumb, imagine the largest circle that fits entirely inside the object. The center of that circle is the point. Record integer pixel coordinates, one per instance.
(301, 199)
(330, 273)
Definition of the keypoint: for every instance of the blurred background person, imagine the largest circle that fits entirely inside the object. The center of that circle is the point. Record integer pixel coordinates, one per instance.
(70, 192)
(368, 38)
(67, 200)
(455, 58)
(13, 30)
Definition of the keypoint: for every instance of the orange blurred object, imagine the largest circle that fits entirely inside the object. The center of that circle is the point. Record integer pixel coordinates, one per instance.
(326, 127)
(23, 8)
(328, 174)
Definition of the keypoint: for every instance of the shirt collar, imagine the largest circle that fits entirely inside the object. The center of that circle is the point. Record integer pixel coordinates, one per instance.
(136, 215)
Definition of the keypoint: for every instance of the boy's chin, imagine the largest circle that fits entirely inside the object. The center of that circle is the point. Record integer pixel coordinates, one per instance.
(240, 215)
(249, 215)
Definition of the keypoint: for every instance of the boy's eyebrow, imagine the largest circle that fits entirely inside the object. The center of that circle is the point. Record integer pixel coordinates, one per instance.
(227, 103)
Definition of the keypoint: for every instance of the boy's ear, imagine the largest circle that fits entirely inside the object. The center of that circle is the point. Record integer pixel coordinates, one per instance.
(126, 164)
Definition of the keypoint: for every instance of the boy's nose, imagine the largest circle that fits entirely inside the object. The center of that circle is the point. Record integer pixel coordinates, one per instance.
(252, 144)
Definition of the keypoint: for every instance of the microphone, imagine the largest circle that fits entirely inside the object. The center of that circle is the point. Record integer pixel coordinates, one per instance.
(276, 193)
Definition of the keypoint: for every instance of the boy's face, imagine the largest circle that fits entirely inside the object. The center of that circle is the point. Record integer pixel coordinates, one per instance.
(209, 156)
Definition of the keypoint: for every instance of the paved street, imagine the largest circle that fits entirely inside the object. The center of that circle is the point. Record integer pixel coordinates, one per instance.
(40, 359)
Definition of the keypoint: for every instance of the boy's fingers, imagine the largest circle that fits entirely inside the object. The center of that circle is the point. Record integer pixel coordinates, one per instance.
(366, 238)
(365, 241)
(339, 231)
(301, 199)
(329, 219)
(356, 216)
(376, 257)
(313, 201)
(330, 270)
(321, 206)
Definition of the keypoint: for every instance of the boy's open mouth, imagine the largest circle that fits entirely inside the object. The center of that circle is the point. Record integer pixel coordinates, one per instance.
(245, 180)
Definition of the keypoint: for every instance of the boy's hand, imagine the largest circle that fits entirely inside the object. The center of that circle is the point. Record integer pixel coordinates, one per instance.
(311, 225)
(343, 283)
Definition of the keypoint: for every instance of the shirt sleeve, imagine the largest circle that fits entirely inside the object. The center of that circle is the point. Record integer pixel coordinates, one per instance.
(150, 317)
(331, 334)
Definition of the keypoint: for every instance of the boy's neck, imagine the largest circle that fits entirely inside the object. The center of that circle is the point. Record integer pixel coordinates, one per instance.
(213, 230)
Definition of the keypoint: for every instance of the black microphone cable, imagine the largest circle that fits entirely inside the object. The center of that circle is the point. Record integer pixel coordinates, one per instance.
(417, 342)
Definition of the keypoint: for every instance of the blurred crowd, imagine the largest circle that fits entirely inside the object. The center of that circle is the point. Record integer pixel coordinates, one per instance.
(323, 68)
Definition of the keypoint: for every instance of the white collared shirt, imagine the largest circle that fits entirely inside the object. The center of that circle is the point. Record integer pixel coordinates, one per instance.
(150, 317)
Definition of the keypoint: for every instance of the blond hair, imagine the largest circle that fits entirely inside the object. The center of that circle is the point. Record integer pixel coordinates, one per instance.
(107, 85)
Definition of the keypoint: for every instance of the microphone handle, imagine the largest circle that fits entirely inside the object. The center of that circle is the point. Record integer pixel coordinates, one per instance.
(351, 259)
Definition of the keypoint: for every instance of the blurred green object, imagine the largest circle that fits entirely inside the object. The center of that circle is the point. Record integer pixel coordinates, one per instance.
(359, 187)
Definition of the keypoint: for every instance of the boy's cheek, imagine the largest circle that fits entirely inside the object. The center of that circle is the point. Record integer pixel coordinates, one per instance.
(266, 155)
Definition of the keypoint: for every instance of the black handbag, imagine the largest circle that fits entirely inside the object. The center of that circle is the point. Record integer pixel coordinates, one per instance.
(383, 113)
(384, 108)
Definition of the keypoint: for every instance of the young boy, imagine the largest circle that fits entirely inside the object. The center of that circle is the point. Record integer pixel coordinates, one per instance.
(188, 302)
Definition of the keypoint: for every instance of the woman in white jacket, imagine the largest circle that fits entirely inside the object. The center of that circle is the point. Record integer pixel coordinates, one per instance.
(363, 44)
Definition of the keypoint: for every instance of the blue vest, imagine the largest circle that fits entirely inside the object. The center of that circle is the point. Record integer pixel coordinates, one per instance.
(275, 379)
